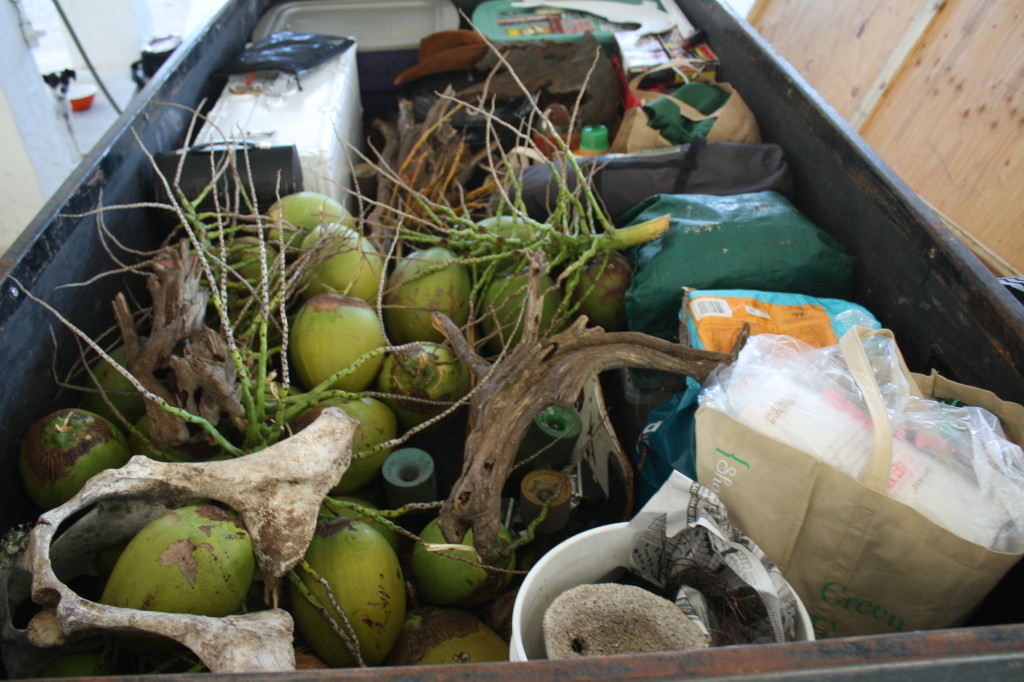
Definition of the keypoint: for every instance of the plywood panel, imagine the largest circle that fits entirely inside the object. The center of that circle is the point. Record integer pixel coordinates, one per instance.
(839, 46)
(952, 123)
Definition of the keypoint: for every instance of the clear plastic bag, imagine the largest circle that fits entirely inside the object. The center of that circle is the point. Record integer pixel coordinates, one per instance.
(952, 463)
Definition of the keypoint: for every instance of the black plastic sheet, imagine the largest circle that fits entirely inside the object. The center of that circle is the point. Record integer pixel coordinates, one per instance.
(294, 53)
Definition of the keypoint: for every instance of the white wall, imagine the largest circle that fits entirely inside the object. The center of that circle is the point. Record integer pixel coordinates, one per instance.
(112, 32)
(742, 7)
(20, 196)
(39, 152)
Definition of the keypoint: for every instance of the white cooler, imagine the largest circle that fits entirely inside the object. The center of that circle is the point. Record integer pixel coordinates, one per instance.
(387, 34)
(323, 120)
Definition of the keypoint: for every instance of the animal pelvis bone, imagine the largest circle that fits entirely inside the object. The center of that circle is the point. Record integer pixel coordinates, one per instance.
(276, 491)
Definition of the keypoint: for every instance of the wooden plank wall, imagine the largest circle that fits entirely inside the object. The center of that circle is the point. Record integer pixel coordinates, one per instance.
(936, 87)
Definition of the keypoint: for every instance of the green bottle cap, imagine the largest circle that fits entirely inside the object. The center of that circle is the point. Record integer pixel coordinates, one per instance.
(594, 138)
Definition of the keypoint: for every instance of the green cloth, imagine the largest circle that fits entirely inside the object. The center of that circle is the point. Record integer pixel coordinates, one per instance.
(704, 97)
(665, 117)
(744, 241)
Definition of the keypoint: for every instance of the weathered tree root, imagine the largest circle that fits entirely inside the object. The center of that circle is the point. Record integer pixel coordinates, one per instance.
(538, 373)
(182, 361)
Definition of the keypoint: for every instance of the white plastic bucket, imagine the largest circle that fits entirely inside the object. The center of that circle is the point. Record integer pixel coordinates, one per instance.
(584, 558)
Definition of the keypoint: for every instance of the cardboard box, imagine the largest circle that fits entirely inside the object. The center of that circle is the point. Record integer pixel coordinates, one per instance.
(641, 53)
(504, 20)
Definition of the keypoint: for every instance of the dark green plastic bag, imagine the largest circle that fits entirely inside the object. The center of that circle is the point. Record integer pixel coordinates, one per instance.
(744, 241)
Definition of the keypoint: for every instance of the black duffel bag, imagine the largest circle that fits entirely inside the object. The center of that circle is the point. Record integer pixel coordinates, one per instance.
(621, 181)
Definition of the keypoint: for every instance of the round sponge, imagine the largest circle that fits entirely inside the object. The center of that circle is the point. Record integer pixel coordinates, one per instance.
(609, 618)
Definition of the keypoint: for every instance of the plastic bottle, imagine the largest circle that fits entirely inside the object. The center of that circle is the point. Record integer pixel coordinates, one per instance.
(593, 141)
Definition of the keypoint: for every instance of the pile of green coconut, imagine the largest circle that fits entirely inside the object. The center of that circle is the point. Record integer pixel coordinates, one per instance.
(292, 310)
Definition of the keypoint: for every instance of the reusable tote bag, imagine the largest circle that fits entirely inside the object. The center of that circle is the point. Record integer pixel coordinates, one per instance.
(862, 562)
(730, 121)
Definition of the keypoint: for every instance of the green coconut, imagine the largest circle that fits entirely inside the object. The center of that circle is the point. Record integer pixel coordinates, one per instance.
(191, 452)
(196, 559)
(329, 333)
(421, 284)
(118, 389)
(63, 450)
(442, 580)
(350, 264)
(503, 304)
(139, 446)
(426, 371)
(298, 213)
(509, 227)
(446, 635)
(390, 534)
(605, 303)
(366, 583)
(377, 424)
(244, 257)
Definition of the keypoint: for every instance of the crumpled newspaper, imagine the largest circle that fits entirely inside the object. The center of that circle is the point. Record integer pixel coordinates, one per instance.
(685, 545)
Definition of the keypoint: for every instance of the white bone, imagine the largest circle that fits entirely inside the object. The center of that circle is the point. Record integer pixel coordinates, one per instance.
(277, 493)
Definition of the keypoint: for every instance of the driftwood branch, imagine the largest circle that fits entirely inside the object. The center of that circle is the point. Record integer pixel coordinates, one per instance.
(538, 373)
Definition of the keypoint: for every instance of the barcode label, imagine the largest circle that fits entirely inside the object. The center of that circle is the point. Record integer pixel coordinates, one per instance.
(704, 307)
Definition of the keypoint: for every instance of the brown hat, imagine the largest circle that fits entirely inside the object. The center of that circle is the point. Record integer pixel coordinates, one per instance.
(450, 50)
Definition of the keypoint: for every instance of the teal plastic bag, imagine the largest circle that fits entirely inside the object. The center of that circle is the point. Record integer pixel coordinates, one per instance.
(743, 241)
(668, 443)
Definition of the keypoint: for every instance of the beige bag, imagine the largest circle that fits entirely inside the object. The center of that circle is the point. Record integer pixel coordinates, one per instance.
(734, 121)
(862, 562)
(684, 67)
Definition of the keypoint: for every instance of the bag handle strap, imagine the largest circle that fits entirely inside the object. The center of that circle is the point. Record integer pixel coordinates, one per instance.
(688, 164)
(852, 345)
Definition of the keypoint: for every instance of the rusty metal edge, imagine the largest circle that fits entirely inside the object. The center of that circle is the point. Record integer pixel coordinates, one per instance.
(991, 653)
